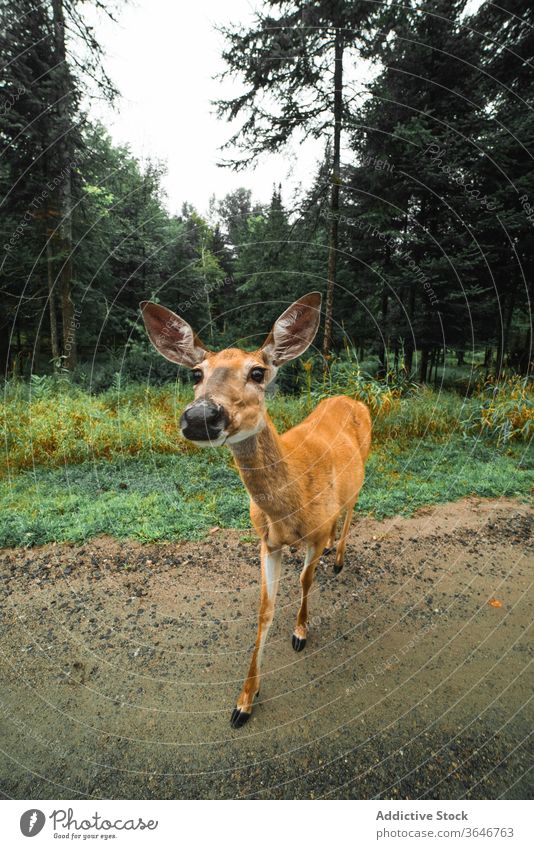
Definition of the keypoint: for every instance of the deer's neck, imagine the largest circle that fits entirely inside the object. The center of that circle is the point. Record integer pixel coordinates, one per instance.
(265, 471)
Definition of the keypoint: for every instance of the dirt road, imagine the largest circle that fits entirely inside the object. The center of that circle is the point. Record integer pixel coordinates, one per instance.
(120, 664)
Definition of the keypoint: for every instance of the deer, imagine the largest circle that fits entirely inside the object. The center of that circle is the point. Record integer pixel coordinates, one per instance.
(301, 482)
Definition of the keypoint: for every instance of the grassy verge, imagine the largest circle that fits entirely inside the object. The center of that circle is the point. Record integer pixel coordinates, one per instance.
(77, 465)
(46, 423)
(165, 497)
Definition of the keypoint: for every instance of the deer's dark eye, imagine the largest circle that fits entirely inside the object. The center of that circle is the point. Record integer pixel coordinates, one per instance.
(257, 374)
(197, 375)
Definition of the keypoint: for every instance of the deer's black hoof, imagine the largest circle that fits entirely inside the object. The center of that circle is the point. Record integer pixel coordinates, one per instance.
(297, 643)
(327, 551)
(239, 717)
(337, 568)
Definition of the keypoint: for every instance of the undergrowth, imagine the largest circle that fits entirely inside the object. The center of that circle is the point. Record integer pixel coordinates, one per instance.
(181, 496)
(51, 422)
(76, 465)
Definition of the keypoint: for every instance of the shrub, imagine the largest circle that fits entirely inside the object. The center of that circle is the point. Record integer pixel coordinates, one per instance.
(345, 377)
(503, 410)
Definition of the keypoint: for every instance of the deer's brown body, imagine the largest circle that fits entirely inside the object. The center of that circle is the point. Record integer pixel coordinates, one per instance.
(301, 482)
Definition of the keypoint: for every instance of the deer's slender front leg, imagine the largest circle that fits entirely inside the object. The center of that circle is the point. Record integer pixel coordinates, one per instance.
(307, 575)
(270, 577)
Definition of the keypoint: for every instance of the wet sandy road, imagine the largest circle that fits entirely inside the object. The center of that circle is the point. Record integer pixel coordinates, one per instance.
(120, 664)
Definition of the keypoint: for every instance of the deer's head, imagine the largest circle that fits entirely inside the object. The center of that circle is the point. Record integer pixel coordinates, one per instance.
(229, 403)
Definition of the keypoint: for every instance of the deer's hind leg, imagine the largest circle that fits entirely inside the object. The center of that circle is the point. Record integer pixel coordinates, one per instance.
(340, 550)
(332, 538)
(313, 552)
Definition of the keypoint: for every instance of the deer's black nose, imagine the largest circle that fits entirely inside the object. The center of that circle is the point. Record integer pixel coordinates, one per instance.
(203, 421)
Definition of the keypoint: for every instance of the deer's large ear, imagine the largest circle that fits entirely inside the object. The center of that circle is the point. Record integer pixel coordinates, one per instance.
(294, 331)
(171, 335)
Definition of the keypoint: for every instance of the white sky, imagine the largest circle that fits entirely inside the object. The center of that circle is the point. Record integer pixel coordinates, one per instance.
(162, 56)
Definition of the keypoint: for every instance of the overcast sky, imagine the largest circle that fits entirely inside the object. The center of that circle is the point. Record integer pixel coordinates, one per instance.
(162, 56)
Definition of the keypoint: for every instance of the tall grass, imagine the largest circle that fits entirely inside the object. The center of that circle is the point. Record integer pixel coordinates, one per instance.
(136, 477)
(55, 423)
(50, 422)
(503, 411)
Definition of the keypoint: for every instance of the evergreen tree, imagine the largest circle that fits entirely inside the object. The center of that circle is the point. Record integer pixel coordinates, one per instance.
(291, 64)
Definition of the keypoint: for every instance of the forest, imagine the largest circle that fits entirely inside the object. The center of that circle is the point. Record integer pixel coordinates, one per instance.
(418, 224)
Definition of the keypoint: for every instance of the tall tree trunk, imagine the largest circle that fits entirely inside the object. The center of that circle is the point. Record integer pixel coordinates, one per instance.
(409, 338)
(437, 359)
(526, 354)
(52, 304)
(37, 342)
(499, 359)
(382, 354)
(19, 357)
(4, 347)
(423, 367)
(383, 351)
(334, 195)
(508, 324)
(488, 356)
(206, 288)
(64, 162)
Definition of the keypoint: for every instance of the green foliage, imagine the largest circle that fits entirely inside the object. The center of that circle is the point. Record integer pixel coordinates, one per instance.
(53, 421)
(161, 497)
(402, 477)
(435, 221)
(77, 464)
(504, 411)
(345, 377)
(154, 498)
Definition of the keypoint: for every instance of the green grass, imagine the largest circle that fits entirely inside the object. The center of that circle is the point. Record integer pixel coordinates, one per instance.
(53, 423)
(180, 496)
(78, 465)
